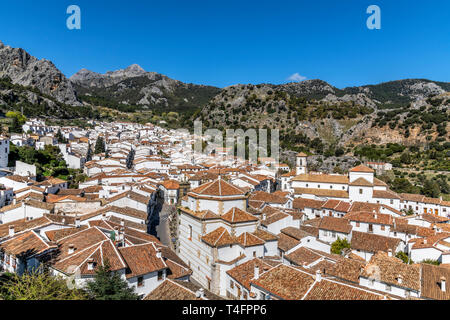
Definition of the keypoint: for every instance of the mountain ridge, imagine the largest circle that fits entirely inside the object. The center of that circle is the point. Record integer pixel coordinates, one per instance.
(310, 109)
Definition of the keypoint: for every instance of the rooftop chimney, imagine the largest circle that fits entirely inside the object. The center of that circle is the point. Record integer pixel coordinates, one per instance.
(443, 284)
(122, 236)
(90, 264)
(399, 279)
(103, 216)
(390, 252)
(71, 249)
(425, 241)
(200, 293)
(77, 222)
(256, 272)
(318, 275)
(158, 253)
(122, 222)
(11, 231)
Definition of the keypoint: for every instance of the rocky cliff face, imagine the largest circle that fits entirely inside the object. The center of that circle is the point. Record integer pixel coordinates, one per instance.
(405, 111)
(28, 71)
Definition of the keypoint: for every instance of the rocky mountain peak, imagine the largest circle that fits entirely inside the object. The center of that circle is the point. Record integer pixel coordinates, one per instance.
(135, 68)
(87, 78)
(130, 72)
(84, 75)
(26, 70)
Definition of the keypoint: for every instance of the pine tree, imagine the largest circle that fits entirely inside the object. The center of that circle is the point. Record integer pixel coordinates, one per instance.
(108, 285)
(89, 153)
(99, 146)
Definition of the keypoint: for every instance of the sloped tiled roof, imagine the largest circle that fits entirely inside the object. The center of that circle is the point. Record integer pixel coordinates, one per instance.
(362, 168)
(301, 203)
(329, 178)
(236, 215)
(335, 224)
(245, 272)
(179, 290)
(370, 242)
(28, 243)
(219, 237)
(247, 239)
(361, 182)
(390, 269)
(141, 259)
(218, 187)
(322, 192)
(346, 269)
(303, 256)
(431, 282)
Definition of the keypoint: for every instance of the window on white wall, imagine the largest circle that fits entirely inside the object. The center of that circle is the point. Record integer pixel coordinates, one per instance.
(140, 281)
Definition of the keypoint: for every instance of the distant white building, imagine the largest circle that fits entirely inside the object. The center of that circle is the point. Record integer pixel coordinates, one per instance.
(25, 170)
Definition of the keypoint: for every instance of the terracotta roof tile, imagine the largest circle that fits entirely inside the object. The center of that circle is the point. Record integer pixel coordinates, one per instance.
(245, 272)
(431, 282)
(28, 244)
(361, 182)
(335, 224)
(141, 259)
(219, 238)
(362, 168)
(385, 194)
(326, 178)
(286, 243)
(178, 290)
(219, 188)
(322, 192)
(302, 203)
(247, 239)
(390, 269)
(370, 242)
(346, 269)
(236, 215)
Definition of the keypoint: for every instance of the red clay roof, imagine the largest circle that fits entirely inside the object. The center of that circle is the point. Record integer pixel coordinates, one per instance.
(218, 187)
(236, 215)
(362, 168)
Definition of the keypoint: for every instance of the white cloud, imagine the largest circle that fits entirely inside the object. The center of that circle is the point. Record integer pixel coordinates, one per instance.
(296, 77)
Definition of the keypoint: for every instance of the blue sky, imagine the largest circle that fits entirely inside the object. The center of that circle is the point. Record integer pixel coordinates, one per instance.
(223, 43)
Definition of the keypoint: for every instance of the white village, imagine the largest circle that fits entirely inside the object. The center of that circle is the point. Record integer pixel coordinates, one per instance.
(180, 225)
